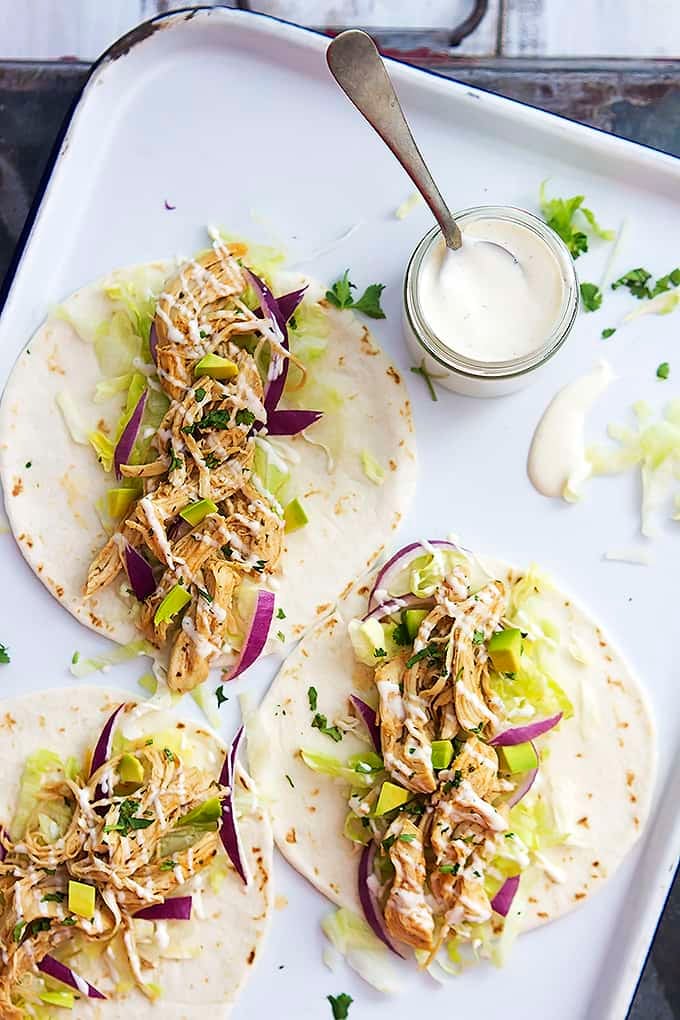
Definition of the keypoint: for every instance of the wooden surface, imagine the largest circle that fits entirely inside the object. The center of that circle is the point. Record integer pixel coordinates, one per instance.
(53, 29)
(639, 100)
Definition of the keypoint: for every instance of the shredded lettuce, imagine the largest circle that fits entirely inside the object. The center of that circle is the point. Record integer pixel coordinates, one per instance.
(327, 765)
(70, 412)
(368, 639)
(561, 214)
(426, 573)
(270, 468)
(372, 469)
(103, 447)
(308, 331)
(41, 767)
(533, 821)
(207, 705)
(102, 663)
(662, 304)
(263, 259)
(363, 951)
(108, 388)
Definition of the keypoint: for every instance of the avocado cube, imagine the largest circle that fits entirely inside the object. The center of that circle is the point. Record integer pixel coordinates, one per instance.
(216, 367)
(390, 797)
(131, 770)
(295, 516)
(518, 757)
(413, 619)
(81, 899)
(442, 754)
(196, 512)
(505, 648)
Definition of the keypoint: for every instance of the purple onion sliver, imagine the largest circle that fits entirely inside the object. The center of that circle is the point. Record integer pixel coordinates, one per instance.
(502, 901)
(123, 450)
(139, 573)
(269, 306)
(523, 734)
(229, 833)
(290, 423)
(257, 634)
(176, 909)
(288, 303)
(60, 972)
(397, 604)
(3, 849)
(395, 560)
(153, 343)
(522, 790)
(369, 903)
(102, 750)
(369, 718)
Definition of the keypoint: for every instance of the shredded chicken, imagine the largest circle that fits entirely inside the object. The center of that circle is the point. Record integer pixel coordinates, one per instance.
(204, 449)
(125, 841)
(407, 914)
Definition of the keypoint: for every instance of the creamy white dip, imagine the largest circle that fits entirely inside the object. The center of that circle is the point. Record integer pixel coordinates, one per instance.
(483, 305)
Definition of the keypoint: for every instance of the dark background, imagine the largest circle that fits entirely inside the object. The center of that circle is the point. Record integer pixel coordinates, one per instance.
(638, 100)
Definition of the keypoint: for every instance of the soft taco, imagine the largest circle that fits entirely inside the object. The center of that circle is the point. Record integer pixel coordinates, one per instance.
(457, 753)
(177, 444)
(135, 863)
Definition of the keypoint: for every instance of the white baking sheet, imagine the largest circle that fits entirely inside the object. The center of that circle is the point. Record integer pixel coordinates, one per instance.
(233, 119)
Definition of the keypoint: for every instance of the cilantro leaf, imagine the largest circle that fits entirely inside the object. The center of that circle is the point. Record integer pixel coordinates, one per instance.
(244, 417)
(4, 654)
(400, 635)
(312, 697)
(320, 722)
(560, 214)
(664, 283)
(636, 281)
(591, 296)
(340, 296)
(606, 333)
(340, 1005)
(127, 822)
(664, 370)
(221, 696)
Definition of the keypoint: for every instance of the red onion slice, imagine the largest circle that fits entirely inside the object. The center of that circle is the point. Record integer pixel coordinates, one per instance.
(369, 903)
(3, 849)
(396, 605)
(102, 750)
(153, 342)
(290, 423)
(257, 634)
(60, 972)
(369, 718)
(289, 302)
(522, 734)
(123, 450)
(139, 572)
(502, 901)
(398, 562)
(176, 909)
(279, 366)
(229, 833)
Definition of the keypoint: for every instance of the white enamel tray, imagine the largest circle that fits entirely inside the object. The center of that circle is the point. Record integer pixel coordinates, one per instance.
(234, 120)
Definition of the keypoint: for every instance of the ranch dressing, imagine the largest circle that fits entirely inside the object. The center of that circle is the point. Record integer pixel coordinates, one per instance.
(484, 305)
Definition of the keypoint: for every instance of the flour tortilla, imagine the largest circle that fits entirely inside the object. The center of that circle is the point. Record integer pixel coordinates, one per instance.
(51, 505)
(230, 936)
(600, 769)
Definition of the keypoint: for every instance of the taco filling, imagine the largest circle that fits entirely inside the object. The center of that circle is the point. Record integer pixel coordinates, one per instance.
(105, 859)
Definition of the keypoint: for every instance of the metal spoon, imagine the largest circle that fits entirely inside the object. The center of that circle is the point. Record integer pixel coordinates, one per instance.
(356, 65)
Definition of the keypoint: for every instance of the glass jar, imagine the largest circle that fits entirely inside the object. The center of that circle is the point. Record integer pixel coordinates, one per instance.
(465, 374)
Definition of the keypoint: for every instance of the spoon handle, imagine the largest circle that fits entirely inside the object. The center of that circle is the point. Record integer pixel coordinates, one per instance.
(358, 68)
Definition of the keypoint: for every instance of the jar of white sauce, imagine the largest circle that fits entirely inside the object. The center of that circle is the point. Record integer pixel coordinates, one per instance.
(482, 323)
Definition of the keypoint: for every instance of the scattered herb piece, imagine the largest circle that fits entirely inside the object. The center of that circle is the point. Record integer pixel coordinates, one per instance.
(280, 615)
(478, 637)
(663, 371)
(28, 464)
(422, 371)
(244, 417)
(606, 333)
(127, 822)
(406, 837)
(216, 420)
(53, 897)
(227, 551)
(320, 722)
(221, 696)
(340, 1005)
(313, 698)
(169, 756)
(290, 781)
(281, 636)
(638, 282)
(211, 461)
(340, 295)
(591, 296)
(379, 653)
(260, 565)
(453, 784)
(559, 214)
(167, 866)
(4, 654)
(433, 652)
(400, 635)
(18, 931)
(204, 594)
(175, 461)
(68, 922)
(199, 394)
(449, 869)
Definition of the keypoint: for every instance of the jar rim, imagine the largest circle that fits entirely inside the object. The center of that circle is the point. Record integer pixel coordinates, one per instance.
(471, 367)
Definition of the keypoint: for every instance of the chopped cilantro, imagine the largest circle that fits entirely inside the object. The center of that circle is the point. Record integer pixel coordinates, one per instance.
(127, 822)
(313, 698)
(217, 420)
(388, 842)
(4, 654)
(340, 295)
(280, 615)
(204, 594)
(169, 756)
(211, 461)
(227, 551)
(68, 922)
(290, 781)
(432, 652)
(449, 869)
(167, 866)
(260, 565)
(636, 281)
(406, 837)
(320, 722)
(663, 371)
(606, 333)
(422, 371)
(28, 464)
(453, 784)
(221, 696)
(400, 635)
(74, 658)
(340, 1005)
(281, 636)
(591, 296)
(379, 653)
(18, 930)
(244, 417)
(478, 637)
(53, 897)
(199, 394)
(175, 461)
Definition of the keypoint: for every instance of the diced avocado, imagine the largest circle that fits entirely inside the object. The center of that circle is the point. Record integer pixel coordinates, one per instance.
(390, 797)
(194, 513)
(216, 367)
(295, 515)
(176, 599)
(518, 757)
(505, 649)
(271, 469)
(81, 899)
(64, 999)
(205, 815)
(368, 640)
(131, 769)
(413, 619)
(442, 753)
(119, 501)
(365, 762)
